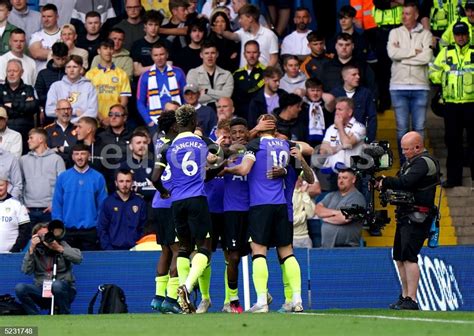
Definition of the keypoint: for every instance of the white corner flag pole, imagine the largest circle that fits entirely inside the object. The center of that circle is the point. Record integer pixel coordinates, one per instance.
(245, 276)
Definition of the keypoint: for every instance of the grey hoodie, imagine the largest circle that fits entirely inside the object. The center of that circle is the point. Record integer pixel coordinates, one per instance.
(39, 174)
(81, 94)
(10, 168)
(291, 84)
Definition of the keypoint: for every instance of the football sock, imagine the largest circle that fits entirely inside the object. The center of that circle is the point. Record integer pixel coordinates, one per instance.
(161, 283)
(260, 277)
(205, 282)
(172, 288)
(226, 284)
(183, 266)
(286, 285)
(200, 262)
(293, 274)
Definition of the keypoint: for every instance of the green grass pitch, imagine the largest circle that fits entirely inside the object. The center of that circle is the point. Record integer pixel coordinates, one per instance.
(366, 322)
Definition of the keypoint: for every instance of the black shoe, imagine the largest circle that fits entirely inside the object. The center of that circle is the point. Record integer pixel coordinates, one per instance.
(397, 304)
(408, 304)
(448, 184)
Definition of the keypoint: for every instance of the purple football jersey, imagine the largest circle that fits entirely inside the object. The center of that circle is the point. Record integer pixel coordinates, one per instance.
(161, 146)
(215, 194)
(236, 192)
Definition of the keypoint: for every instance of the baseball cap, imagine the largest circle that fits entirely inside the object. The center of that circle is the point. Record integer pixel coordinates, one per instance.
(469, 4)
(191, 87)
(3, 113)
(461, 28)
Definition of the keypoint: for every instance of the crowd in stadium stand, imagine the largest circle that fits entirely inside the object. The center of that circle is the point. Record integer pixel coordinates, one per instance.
(76, 77)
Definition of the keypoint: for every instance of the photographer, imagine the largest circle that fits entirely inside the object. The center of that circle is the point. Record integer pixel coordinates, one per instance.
(419, 175)
(39, 261)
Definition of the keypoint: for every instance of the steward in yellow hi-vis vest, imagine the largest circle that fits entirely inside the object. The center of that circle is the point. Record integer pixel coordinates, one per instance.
(388, 17)
(444, 13)
(454, 70)
(448, 38)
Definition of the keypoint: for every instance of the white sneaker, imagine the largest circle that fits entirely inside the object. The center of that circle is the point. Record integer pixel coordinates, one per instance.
(257, 308)
(297, 307)
(287, 307)
(226, 308)
(203, 306)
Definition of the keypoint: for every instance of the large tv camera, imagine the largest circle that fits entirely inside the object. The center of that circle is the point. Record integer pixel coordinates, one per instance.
(396, 197)
(373, 219)
(377, 156)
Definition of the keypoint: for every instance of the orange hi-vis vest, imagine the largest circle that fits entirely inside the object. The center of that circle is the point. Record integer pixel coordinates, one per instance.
(364, 13)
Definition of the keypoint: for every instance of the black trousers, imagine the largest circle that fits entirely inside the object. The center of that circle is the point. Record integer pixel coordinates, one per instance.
(384, 65)
(83, 239)
(457, 118)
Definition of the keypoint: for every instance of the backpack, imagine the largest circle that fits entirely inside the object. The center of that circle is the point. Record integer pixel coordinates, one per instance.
(112, 301)
(9, 306)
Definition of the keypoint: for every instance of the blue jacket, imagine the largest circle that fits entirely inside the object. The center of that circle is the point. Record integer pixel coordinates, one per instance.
(78, 198)
(364, 108)
(121, 222)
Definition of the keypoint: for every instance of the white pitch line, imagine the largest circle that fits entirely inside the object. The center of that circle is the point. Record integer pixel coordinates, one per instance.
(418, 319)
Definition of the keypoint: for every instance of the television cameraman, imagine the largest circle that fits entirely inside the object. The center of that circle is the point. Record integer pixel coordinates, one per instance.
(419, 175)
(46, 249)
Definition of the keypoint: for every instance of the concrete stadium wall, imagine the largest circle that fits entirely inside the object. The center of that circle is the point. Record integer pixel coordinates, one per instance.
(338, 278)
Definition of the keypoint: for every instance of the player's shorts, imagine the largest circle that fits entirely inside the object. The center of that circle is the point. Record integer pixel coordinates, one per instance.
(269, 225)
(236, 229)
(409, 239)
(218, 228)
(191, 218)
(164, 226)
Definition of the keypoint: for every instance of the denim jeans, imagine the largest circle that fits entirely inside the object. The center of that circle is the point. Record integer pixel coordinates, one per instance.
(409, 105)
(31, 298)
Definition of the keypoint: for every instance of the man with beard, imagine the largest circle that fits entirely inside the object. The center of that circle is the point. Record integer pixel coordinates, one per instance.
(123, 215)
(296, 43)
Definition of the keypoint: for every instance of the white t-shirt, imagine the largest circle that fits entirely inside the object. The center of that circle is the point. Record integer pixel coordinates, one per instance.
(295, 44)
(29, 68)
(267, 40)
(47, 41)
(353, 127)
(12, 215)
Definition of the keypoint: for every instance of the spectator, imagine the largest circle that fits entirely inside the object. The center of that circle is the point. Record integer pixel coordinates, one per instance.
(7, 27)
(69, 37)
(61, 133)
(235, 22)
(10, 169)
(365, 109)
(19, 101)
(90, 41)
(248, 80)
(122, 216)
(331, 71)
(114, 142)
(211, 6)
(347, 24)
(86, 130)
(10, 140)
(213, 81)
(141, 49)
(409, 48)
(189, 57)
(132, 24)
(344, 138)
(303, 209)
(112, 83)
(120, 55)
(225, 111)
(41, 41)
(252, 30)
(296, 43)
(24, 18)
(313, 64)
(293, 80)
(79, 185)
(266, 100)
(40, 169)
(288, 119)
(206, 115)
(17, 48)
(75, 88)
(14, 222)
(38, 261)
(65, 8)
(229, 51)
(103, 8)
(158, 85)
(336, 229)
(53, 72)
(317, 111)
(175, 29)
